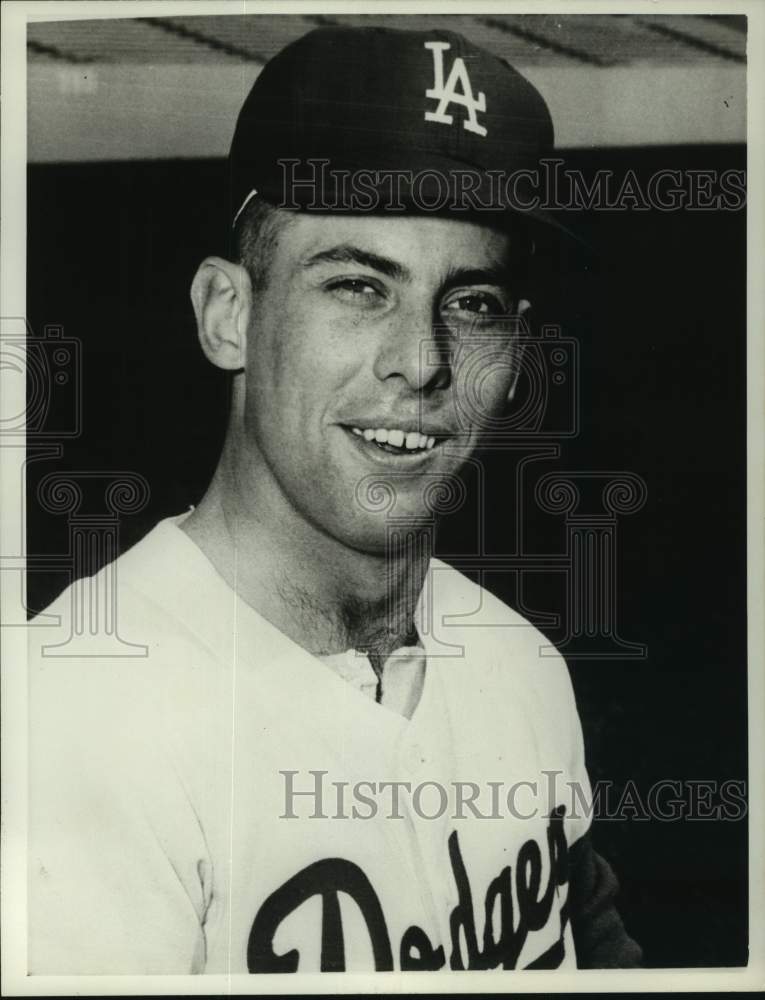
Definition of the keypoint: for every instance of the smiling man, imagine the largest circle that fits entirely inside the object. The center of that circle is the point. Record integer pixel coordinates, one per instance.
(343, 385)
(338, 753)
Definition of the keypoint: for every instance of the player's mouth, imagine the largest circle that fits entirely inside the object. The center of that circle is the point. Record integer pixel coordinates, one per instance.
(405, 444)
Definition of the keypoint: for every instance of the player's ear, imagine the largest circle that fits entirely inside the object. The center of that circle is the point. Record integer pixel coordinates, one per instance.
(524, 327)
(221, 294)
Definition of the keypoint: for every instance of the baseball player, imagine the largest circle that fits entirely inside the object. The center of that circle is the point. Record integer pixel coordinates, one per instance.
(337, 752)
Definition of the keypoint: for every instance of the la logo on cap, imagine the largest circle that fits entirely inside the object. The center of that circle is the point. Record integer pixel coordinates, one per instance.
(447, 93)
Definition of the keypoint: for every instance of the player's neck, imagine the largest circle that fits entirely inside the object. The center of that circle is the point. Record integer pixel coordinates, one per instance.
(324, 595)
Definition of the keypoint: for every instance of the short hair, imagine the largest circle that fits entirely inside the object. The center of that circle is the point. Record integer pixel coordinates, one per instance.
(260, 224)
(255, 236)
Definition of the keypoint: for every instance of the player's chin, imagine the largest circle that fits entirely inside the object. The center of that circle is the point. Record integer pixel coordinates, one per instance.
(375, 531)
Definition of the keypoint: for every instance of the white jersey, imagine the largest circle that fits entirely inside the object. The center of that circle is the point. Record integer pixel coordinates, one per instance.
(227, 803)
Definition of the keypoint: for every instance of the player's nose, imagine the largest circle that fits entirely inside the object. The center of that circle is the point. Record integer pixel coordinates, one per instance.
(412, 347)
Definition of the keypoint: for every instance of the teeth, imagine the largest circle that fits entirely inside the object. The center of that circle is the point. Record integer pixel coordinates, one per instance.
(412, 440)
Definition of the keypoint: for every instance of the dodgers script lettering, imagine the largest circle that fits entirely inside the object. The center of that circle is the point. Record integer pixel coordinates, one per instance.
(331, 876)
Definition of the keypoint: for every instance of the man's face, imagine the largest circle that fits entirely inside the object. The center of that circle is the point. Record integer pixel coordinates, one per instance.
(378, 350)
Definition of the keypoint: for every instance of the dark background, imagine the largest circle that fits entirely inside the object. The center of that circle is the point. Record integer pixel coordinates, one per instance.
(660, 317)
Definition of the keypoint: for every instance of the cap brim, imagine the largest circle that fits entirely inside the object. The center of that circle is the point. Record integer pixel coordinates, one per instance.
(429, 185)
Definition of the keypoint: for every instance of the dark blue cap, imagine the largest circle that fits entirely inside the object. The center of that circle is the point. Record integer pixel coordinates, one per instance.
(371, 118)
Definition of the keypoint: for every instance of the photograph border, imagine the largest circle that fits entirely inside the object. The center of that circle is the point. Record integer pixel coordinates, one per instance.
(15, 15)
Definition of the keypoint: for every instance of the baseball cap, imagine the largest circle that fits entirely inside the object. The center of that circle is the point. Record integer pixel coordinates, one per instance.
(371, 118)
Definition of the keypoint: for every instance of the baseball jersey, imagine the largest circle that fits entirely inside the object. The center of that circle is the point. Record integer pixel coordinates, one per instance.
(226, 802)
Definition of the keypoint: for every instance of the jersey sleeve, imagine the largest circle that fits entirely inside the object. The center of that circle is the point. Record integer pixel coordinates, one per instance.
(580, 798)
(116, 861)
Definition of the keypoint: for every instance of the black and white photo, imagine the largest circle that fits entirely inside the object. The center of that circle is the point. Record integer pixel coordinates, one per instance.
(382, 437)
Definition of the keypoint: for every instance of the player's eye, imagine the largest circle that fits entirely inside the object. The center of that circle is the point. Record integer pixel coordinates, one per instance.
(474, 306)
(358, 291)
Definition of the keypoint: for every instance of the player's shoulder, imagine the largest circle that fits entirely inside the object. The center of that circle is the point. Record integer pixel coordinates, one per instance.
(497, 638)
(473, 604)
(154, 581)
(489, 656)
(132, 630)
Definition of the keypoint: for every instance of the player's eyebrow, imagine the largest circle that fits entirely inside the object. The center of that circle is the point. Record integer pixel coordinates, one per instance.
(346, 253)
(492, 274)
